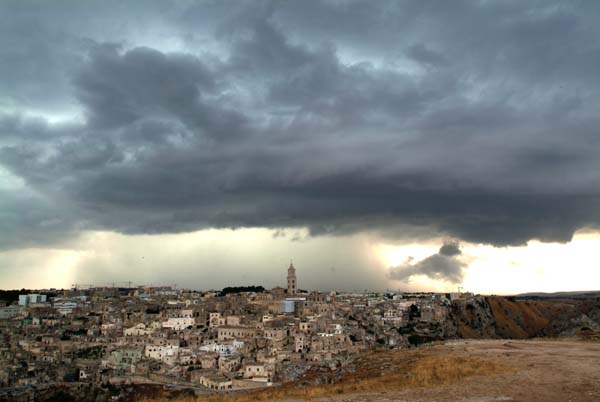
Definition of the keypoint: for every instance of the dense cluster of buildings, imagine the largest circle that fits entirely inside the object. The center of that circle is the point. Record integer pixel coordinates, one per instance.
(201, 339)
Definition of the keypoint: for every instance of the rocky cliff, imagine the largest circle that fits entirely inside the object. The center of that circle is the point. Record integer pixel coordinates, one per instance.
(500, 317)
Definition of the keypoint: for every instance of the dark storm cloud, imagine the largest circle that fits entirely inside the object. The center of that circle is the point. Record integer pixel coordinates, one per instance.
(442, 265)
(468, 119)
(27, 220)
(450, 249)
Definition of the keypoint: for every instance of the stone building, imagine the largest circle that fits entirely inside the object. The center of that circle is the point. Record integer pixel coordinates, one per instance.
(292, 283)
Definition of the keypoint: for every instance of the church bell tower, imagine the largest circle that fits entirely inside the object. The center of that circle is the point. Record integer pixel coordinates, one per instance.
(292, 287)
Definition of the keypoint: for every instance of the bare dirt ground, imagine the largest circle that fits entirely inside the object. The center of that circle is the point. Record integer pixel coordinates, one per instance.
(465, 371)
(537, 371)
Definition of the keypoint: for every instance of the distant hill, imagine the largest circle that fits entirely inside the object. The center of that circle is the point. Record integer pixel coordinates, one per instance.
(557, 295)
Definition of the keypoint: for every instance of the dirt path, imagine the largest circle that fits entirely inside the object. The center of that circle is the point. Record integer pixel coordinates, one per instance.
(549, 371)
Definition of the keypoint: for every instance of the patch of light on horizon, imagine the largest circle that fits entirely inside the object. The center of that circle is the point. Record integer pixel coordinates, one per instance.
(47, 268)
(222, 257)
(394, 255)
(535, 267)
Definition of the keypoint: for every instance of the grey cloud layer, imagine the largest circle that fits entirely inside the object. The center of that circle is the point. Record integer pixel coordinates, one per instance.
(477, 120)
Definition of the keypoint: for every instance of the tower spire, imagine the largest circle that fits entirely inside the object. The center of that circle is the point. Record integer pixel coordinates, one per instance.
(292, 284)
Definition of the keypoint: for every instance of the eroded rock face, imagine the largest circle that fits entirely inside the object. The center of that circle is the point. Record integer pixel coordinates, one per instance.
(472, 318)
(498, 317)
(482, 317)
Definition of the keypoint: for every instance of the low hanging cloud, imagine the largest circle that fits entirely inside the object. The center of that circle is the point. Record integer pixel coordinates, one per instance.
(444, 265)
(450, 249)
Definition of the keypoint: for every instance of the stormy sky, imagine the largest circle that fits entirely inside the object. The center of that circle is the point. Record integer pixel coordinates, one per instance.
(317, 130)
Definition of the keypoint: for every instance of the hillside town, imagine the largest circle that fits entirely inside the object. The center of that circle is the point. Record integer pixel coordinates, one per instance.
(209, 341)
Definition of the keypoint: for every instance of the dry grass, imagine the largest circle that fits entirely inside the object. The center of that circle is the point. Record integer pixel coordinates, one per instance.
(433, 370)
(412, 372)
(532, 317)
